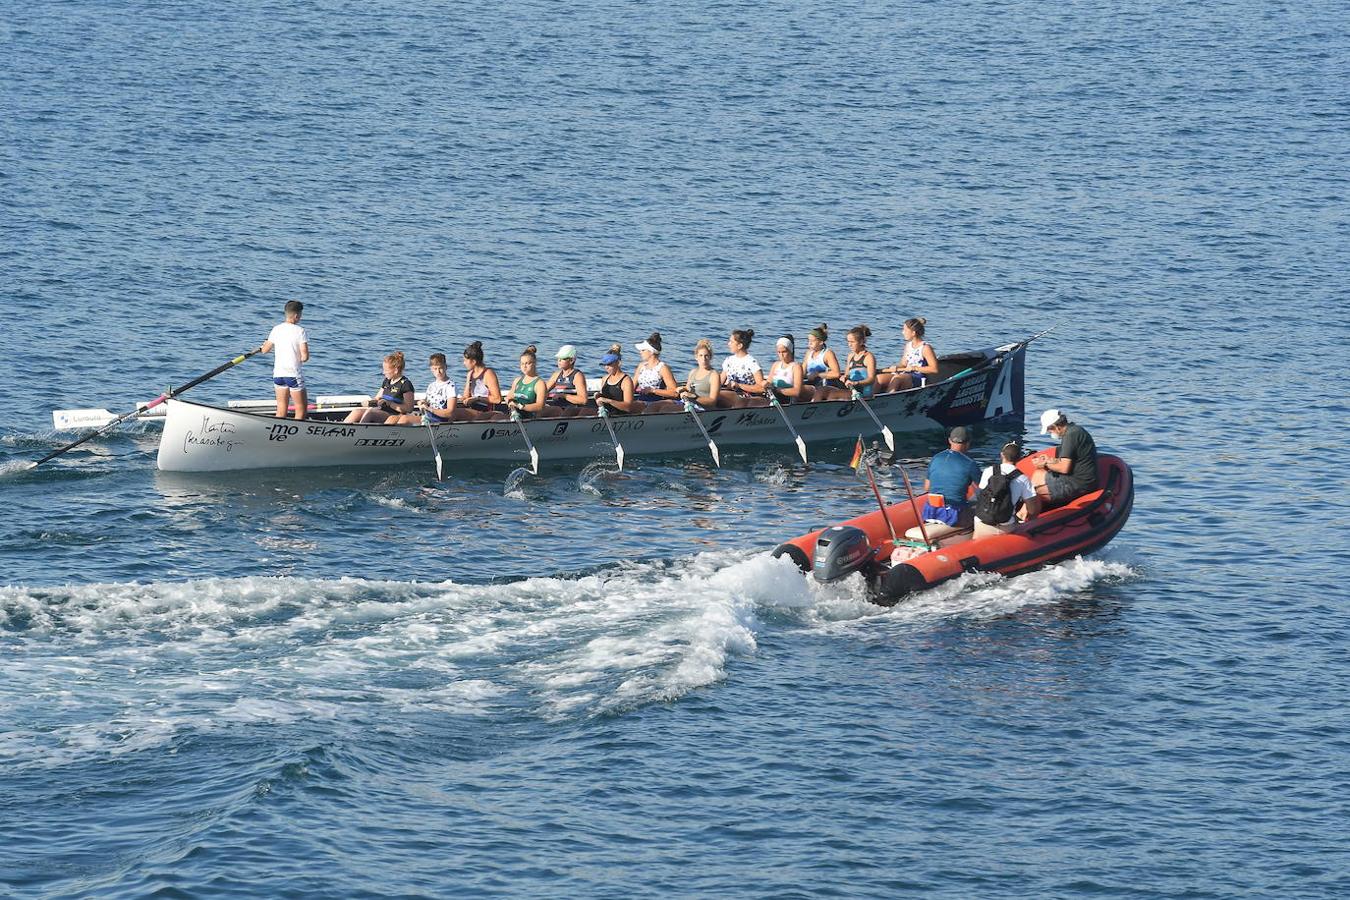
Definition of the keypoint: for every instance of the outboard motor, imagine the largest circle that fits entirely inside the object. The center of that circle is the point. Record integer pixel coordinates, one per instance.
(840, 550)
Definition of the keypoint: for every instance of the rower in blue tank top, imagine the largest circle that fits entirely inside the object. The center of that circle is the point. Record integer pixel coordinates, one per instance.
(861, 369)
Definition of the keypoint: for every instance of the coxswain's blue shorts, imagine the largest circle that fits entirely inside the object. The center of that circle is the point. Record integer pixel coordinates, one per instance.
(295, 384)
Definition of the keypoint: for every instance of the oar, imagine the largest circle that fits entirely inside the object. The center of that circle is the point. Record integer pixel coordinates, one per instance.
(918, 514)
(440, 468)
(712, 447)
(885, 429)
(534, 454)
(801, 444)
(618, 448)
(167, 395)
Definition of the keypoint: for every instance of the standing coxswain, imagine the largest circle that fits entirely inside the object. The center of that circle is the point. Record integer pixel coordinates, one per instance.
(291, 344)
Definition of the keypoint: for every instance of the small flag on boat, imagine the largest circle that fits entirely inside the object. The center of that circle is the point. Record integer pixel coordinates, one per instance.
(857, 454)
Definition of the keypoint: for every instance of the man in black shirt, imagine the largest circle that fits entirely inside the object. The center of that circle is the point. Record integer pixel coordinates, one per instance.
(1073, 472)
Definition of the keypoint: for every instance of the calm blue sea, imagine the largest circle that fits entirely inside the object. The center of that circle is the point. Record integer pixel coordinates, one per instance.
(597, 684)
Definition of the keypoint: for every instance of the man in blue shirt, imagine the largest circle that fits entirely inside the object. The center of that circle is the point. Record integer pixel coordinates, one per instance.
(950, 476)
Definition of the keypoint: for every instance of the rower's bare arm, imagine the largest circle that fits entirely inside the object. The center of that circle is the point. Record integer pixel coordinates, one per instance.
(267, 347)
(304, 352)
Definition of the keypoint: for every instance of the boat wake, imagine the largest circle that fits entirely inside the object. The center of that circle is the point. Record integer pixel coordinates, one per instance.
(115, 668)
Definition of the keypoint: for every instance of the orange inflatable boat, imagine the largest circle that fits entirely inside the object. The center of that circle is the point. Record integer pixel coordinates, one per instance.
(865, 544)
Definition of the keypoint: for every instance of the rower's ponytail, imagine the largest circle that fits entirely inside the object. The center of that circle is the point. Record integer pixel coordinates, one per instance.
(821, 333)
(395, 359)
(916, 325)
(744, 336)
(616, 349)
(474, 352)
(860, 333)
(655, 341)
(531, 351)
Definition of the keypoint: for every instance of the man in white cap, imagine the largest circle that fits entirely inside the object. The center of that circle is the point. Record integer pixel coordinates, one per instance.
(1073, 472)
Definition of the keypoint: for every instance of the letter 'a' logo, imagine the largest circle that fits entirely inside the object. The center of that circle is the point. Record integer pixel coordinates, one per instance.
(1000, 399)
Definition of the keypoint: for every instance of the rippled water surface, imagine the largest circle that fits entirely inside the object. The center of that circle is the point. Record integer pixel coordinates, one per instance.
(596, 683)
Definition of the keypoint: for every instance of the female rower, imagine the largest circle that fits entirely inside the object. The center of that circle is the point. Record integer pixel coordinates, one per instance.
(616, 390)
(566, 388)
(703, 385)
(527, 391)
(438, 404)
(394, 398)
(741, 373)
(918, 362)
(860, 371)
(785, 375)
(821, 366)
(482, 390)
(654, 383)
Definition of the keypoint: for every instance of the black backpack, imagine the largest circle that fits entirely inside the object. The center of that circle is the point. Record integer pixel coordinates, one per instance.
(994, 505)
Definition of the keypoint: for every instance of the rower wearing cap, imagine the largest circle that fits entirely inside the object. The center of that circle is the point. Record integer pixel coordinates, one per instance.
(951, 475)
(785, 375)
(616, 389)
(1073, 471)
(565, 388)
(654, 383)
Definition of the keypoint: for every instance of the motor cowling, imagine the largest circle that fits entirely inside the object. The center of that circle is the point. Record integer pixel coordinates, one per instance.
(841, 550)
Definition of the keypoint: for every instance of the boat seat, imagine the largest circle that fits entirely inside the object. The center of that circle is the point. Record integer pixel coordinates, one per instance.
(939, 534)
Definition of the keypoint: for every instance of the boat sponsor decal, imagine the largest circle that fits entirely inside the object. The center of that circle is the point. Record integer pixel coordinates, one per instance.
(757, 417)
(280, 432)
(970, 394)
(717, 423)
(331, 430)
(560, 429)
(632, 423)
(846, 408)
(489, 434)
(211, 434)
(379, 442)
(809, 411)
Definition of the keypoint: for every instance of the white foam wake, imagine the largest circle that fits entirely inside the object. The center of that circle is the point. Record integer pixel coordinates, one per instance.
(114, 668)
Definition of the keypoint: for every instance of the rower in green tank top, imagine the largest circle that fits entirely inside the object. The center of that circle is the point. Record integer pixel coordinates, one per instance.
(527, 391)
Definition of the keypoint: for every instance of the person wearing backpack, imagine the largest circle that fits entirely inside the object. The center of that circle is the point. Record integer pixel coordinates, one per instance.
(1004, 493)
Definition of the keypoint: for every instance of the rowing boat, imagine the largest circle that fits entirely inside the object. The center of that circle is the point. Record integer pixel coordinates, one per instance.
(971, 387)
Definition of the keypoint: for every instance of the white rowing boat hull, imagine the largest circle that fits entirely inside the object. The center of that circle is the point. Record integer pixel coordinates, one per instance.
(202, 438)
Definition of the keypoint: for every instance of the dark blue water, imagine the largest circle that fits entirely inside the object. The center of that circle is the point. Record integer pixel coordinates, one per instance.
(591, 683)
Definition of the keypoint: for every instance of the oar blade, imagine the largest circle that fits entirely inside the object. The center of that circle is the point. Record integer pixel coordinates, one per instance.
(717, 457)
(534, 460)
(801, 447)
(889, 436)
(618, 454)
